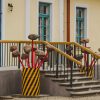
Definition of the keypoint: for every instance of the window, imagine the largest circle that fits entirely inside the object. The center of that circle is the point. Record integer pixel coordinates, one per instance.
(44, 21)
(80, 24)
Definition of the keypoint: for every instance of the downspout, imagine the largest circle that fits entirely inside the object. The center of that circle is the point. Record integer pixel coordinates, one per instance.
(68, 20)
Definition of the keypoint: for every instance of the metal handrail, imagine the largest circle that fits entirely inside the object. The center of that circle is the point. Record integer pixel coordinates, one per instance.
(55, 46)
(87, 49)
(46, 43)
(64, 54)
(78, 45)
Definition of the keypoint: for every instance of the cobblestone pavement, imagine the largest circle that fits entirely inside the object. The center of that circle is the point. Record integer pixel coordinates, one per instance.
(97, 97)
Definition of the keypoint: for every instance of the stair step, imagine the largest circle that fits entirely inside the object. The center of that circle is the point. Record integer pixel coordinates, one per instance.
(64, 75)
(91, 82)
(49, 71)
(59, 69)
(74, 79)
(90, 92)
(74, 69)
(83, 88)
(21, 96)
(6, 97)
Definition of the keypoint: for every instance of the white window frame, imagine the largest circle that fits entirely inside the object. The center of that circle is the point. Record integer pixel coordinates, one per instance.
(51, 15)
(27, 19)
(61, 17)
(86, 22)
(3, 20)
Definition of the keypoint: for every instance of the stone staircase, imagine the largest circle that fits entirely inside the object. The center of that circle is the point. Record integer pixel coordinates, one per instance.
(81, 84)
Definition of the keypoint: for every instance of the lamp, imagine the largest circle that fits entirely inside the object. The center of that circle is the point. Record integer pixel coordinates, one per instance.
(10, 7)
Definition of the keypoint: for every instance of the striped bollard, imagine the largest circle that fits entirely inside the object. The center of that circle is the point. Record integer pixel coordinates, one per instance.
(31, 82)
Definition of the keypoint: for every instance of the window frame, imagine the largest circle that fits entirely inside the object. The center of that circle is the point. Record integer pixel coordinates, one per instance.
(85, 6)
(80, 24)
(48, 38)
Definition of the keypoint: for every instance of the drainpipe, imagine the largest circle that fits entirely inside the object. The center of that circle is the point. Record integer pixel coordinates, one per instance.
(68, 20)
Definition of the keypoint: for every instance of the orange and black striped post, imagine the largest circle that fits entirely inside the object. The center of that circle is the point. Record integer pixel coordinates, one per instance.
(30, 82)
(30, 74)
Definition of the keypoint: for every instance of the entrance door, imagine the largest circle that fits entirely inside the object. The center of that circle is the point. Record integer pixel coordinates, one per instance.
(44, 21)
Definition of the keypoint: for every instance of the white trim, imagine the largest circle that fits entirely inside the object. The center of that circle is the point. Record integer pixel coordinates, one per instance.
(2, 25)
(61, 17)
(51, 21)
(51, 15)
(27, 24)
(37, 16)
(3, 20)
(46, 1)
(82, 6)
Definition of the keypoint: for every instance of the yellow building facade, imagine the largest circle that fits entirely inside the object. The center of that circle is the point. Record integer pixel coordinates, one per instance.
(25, 18)
(92, 20)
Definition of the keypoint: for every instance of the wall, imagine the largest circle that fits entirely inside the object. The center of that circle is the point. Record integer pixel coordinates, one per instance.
(15, 22)
(10, 82)
(54, 18)
(93, 21)
(65, 20)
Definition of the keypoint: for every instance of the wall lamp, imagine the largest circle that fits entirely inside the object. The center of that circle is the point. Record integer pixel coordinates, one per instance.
(10, 7)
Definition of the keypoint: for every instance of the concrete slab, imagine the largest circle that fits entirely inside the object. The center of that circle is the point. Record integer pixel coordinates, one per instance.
(96, 97)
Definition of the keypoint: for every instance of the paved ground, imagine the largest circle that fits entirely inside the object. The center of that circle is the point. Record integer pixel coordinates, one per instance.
(97, 97)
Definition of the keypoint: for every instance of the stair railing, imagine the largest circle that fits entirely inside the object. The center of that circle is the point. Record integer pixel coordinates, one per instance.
(60, 60)
(59, 63)
(90, 60)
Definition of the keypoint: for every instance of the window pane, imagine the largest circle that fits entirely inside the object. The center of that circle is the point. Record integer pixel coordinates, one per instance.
(80, 23)
(44, 21)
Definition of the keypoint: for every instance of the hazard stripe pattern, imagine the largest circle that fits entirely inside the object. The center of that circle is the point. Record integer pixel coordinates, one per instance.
(30, 82)
(90, 71)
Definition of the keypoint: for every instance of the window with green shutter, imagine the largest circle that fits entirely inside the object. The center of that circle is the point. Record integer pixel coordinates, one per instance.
(80, 23)
(44, 21)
